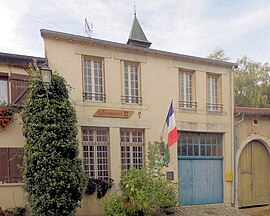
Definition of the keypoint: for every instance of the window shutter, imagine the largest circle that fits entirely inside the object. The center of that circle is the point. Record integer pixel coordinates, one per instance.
(19, 89)
(15, 162)
(3, 164)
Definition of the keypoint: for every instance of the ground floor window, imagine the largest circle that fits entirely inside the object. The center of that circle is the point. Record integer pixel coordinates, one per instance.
(96, 152)
(132, 148)
(199, 144)
(10, 163)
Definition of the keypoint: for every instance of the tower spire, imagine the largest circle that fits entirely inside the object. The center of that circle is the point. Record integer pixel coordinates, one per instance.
(136, 35)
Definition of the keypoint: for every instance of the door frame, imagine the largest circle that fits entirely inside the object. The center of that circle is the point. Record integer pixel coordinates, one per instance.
(254, 137)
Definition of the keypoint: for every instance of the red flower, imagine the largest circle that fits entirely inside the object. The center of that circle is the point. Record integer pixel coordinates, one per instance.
(5, 115)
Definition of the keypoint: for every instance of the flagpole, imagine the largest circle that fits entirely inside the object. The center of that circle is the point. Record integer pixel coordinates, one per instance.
(161, 137)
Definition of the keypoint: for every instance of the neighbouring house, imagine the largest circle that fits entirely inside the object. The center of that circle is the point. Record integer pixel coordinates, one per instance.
(13, 90)
(122, 93)
(252, 140)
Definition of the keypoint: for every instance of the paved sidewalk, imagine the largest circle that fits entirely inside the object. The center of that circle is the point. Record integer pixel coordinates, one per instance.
(257, 211)
(209, 210)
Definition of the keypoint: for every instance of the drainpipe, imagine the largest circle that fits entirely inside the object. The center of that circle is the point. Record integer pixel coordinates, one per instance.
(235, 151)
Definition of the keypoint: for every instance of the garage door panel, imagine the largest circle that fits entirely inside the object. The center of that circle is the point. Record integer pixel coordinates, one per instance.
(186, 169)
(205, 184)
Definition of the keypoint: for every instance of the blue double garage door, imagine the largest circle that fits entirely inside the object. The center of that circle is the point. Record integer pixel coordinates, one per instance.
(201, 180)
(200, 168)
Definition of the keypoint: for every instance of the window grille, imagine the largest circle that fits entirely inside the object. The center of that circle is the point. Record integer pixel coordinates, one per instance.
(199, 144)
(132, 148)
(96, 152)
(212, 94)
(186, 91)
(93, 80)
(131, 85)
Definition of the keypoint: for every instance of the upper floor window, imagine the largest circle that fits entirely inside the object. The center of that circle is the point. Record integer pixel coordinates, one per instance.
(132, 148)
(93, 79)
(213, 98)
(96, 152)
(186, 90)
(3, 89)
(131, 90)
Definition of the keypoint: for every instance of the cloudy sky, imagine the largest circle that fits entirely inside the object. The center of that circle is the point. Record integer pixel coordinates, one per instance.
(191, 27)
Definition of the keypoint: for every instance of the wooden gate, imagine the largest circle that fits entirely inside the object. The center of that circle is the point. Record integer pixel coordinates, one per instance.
(254, 175)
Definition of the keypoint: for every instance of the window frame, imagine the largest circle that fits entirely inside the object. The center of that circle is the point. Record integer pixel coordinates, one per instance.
(93, 89)
(4, 77)
(200, 144)
(129, 94)
(187, 99)
(93, 153)
(213, 92)
(134, 155)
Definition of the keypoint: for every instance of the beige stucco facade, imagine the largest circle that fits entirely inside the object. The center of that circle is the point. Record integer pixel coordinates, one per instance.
(159, 85)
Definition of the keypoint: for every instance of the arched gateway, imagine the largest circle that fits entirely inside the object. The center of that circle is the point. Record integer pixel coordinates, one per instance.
(254, 175)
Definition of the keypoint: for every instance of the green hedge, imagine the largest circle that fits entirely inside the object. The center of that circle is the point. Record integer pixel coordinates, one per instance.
(54, 178)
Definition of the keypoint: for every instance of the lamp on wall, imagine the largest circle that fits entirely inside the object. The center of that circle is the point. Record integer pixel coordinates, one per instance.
(46, 75)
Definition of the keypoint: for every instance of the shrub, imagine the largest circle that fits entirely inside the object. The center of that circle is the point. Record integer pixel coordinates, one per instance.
(142, 194)
(54, 178)
(147, 193)
(15, 211)
(99, 185)
(114, 205)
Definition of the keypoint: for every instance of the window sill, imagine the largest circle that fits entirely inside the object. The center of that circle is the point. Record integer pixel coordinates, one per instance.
(11, 184)
(131, 106)
(93, 104)
(187, 110)
(215, 112)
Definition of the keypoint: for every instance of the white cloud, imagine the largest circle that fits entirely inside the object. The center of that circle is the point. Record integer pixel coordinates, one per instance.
(193, 27)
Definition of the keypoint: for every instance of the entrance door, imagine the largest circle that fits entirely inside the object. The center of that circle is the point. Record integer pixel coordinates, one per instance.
(254, 175)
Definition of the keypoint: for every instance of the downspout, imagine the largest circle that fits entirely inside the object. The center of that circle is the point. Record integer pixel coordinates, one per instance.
(235, 151)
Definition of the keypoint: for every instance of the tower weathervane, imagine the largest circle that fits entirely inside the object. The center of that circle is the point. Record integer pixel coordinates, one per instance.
(134, 10)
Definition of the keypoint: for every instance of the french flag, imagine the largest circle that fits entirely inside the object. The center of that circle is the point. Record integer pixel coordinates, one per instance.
(171, 125)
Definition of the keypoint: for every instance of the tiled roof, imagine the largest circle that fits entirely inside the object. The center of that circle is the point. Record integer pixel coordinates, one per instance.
(252, 111)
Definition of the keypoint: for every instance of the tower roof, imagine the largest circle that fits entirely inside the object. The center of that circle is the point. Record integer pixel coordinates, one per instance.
(137, 36)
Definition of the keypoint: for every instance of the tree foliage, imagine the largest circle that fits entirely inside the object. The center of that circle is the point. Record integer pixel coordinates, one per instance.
(219, 54)
(251, 81)
(52, 173)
